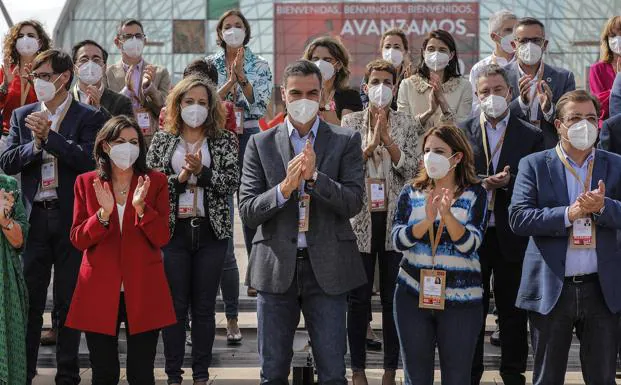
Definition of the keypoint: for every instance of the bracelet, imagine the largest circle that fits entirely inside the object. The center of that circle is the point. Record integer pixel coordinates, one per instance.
(101, 220)
(393, 143)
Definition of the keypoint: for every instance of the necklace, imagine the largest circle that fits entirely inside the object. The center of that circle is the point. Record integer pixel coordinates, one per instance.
(123, 191)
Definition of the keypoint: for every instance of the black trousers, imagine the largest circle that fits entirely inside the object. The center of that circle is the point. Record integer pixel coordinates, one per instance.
(359, 311)
(48, 245)
(511, 320)
(104, 354)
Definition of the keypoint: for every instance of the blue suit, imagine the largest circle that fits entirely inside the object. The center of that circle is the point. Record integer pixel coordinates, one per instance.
(560, 81)
(72, 145)
(48, 241)
(614, 107)
(538, 210)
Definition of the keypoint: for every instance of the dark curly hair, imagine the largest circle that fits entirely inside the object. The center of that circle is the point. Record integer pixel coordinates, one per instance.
(10, 39)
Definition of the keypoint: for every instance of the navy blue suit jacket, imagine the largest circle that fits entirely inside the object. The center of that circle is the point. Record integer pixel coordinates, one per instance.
(521, 139)
(72, 145)
(610, 134)
(560, 81)
(538, 210)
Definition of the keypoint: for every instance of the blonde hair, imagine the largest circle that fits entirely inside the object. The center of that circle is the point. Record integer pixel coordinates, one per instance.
(340, 54)
(606, 55)
(216, 117)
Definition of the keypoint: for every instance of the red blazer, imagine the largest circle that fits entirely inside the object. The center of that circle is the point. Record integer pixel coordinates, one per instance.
(109, 257)
(12, 99)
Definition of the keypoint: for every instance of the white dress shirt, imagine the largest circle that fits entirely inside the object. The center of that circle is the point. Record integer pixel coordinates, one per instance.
(178, 161)
(493, 137)
(534, 100)
(51, 194)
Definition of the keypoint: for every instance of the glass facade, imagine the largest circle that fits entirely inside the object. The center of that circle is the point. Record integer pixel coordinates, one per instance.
(573, 27)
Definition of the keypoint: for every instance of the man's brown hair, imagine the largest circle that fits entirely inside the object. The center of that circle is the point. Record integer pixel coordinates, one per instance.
(577, 96)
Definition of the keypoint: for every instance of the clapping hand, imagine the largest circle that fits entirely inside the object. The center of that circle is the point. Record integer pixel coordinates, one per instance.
(7, 201)
(148, 76)
(443, 202)
(593, 201)
(128, 78)
(194, 163)
(140, 193)
(524, 85)
(499, 180)
(431, 210)
(544, 94)
(105, 198)
(94, 96)
(294, 175)
(9, 74)
(238, 64)
(39, 124)
(309, 161)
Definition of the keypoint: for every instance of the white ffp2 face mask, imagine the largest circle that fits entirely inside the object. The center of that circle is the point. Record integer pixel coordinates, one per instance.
(529, 53)
(133, 47)
(393, 55)
(494, 105)
(45, 90)
(326, 68)
(380, 95)
(436, 60)
(124, 155)
(234, 37)
(90, 72)
(303, 110)
(436, 165)
(27, 46)
(582, 135)
(194, 115)
(615, 44)
(505, 43)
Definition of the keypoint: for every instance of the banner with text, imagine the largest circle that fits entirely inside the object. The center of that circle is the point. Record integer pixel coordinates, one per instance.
(361, 25)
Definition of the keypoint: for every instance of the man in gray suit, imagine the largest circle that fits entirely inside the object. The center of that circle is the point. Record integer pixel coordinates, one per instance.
(301, 183)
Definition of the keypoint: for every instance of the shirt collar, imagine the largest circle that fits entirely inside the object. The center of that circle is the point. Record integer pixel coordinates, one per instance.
(314, 128)
(522, 73)
(500, 125)
(139, 66)
(60, 108)
(588, 159)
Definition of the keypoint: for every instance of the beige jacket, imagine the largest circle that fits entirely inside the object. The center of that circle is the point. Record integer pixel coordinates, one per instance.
(414, 99)
(154, 96)
(405, 131)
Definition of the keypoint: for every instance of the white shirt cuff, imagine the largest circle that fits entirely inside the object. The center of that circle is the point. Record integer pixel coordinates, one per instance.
(523, 106)
(280, 199)
(567, 222)
(550, 113)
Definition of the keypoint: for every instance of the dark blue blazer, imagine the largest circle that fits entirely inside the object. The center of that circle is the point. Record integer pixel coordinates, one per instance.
(72, 145)
(538, 210)
(610, 134)
(521, 139)
(560, 81)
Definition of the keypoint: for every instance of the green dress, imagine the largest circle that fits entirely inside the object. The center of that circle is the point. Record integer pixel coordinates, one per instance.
(13, 298)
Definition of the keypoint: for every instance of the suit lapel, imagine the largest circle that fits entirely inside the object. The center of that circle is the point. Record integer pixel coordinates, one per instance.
(512, 136)
(67, 123)
(600, 169)
(322, 142)
(284, 144)
(557, 176)
(477, 141)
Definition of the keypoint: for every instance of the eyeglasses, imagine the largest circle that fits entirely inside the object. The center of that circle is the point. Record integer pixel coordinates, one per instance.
(42, 75)
(96, 60)
(128, 36)
(536, 40)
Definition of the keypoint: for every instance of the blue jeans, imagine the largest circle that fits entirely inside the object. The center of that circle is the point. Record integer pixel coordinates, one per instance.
(278, 316)
(229, 284)
(580, 306)
(454, 330)
(243, 142)
(193, 262)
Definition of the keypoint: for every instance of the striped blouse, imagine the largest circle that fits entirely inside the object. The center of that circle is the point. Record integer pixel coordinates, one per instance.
(458, 258)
